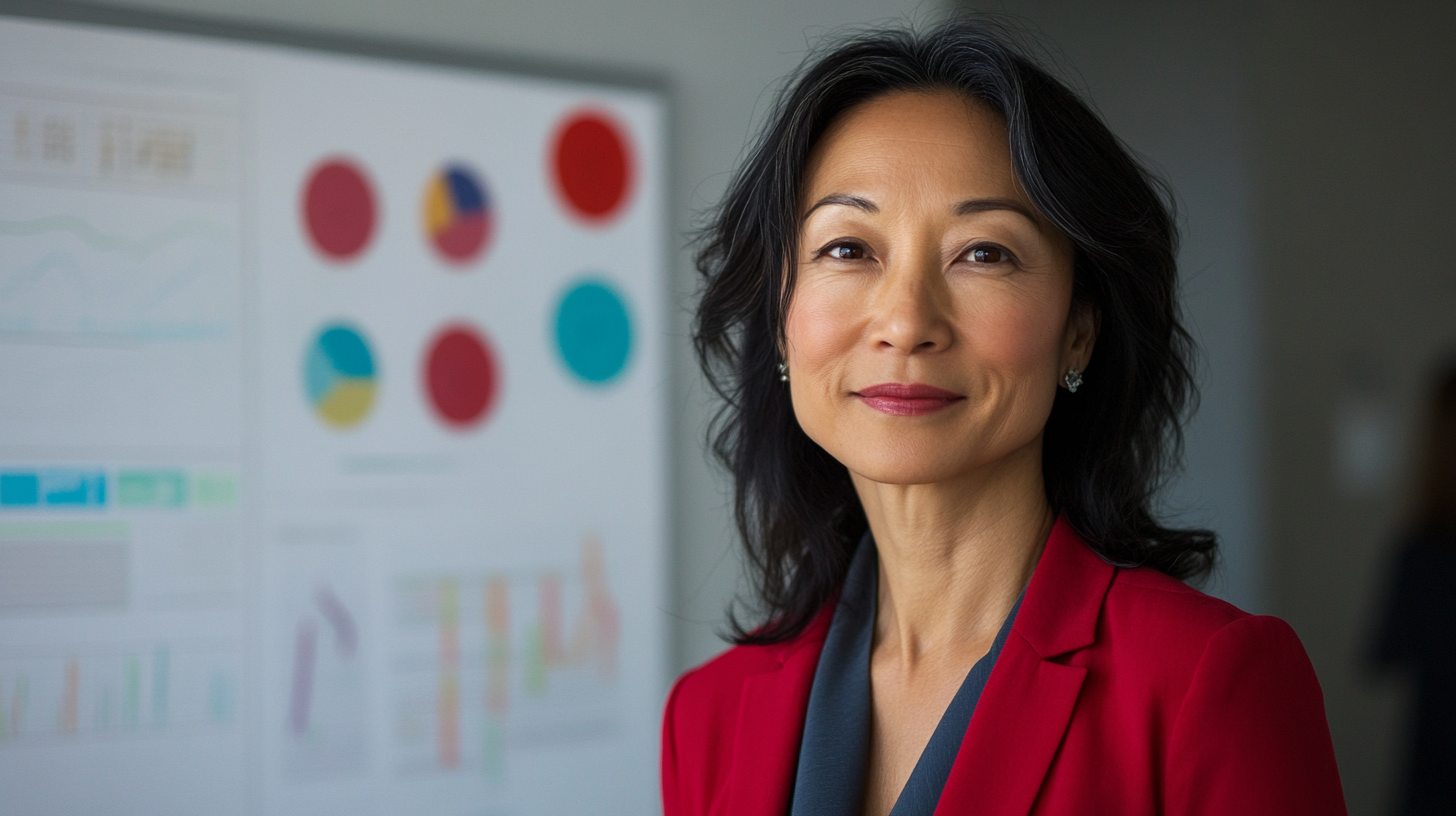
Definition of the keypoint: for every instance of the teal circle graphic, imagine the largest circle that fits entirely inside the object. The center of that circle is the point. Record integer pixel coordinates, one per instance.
(593, 332)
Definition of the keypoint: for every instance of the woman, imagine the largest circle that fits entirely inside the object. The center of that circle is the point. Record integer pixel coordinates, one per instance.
(1418, 630)
(967, 604)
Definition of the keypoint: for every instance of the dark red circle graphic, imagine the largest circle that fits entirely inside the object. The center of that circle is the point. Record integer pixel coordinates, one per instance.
(461, 376)
(592, 162)
(338, 209)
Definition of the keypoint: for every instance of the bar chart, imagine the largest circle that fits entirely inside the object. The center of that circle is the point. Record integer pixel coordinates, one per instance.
(139, 691)
(485, 663)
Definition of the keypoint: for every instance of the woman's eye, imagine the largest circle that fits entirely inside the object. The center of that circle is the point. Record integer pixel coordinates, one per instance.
(845, 252)
(988, 255)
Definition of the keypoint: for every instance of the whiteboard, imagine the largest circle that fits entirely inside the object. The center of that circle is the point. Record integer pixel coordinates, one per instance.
(332, 456)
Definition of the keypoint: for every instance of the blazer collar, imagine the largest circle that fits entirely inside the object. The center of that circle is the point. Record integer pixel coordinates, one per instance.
(1028, 702)
(1018, 724)
(1064, 599)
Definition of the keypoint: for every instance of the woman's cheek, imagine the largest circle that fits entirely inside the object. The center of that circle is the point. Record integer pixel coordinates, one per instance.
(1015, 335)
(819, 328)
(820, 338)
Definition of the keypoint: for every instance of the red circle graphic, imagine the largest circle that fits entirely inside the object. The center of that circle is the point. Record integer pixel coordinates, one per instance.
(338, 209)
(592, 163)
(461, 376)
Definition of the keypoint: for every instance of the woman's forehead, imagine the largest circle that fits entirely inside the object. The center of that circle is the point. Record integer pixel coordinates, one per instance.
(920, 143)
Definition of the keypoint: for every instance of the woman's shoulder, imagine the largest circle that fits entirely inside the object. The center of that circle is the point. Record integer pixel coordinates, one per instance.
(1152, 596)
(1140, 624)
(718, 683)
(733, 666)
(707, 708)
(1155, 621)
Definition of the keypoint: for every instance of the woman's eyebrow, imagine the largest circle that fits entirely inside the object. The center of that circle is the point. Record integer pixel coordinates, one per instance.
(844, 200)
(980, 205)
(967, 207)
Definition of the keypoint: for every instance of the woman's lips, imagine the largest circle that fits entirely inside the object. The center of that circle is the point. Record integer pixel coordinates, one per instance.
(907, 399)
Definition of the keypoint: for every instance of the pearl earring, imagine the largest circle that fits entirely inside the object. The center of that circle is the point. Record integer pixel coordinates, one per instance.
(783, 372)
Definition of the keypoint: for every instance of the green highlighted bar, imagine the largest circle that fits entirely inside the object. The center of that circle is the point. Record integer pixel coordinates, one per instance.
(151, 488)
(174, 488)
(215, 489)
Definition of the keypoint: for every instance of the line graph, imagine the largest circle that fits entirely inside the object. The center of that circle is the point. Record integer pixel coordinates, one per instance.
(61, 274)
(323, 729)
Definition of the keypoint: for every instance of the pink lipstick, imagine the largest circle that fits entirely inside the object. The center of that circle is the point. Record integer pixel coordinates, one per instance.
(907, 399)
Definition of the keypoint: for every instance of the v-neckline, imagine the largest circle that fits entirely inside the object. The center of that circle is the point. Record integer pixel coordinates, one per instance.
(834, 750)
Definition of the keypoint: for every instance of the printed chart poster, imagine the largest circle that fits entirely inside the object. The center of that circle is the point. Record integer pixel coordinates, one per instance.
(332, 433)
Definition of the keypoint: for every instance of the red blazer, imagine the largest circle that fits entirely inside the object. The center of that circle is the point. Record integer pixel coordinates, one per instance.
(1119, 691)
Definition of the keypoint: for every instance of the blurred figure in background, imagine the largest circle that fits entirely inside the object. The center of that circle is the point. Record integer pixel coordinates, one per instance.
(1418, 626)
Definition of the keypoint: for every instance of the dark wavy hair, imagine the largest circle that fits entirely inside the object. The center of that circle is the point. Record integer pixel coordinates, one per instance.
(1106, 448)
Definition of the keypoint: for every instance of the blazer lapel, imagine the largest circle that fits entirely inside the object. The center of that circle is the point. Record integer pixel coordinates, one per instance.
(771, 726)
(1029, 699)
(1015, 732)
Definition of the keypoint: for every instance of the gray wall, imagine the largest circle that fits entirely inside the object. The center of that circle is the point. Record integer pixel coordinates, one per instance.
(1355, 112)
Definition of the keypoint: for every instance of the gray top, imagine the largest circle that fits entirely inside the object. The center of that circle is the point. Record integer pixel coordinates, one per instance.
(835, 748)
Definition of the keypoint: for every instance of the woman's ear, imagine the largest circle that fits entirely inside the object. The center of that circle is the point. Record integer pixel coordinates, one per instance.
(1083, 322)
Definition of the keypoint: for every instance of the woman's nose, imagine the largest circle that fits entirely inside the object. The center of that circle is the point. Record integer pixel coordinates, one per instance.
(911, 305)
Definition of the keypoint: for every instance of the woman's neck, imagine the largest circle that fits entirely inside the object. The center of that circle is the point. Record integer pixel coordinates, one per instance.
(954, 556)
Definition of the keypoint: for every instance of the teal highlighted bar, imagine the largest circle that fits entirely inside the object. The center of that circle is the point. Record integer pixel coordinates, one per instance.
(19, 489)
(151, 488)
(63, 488)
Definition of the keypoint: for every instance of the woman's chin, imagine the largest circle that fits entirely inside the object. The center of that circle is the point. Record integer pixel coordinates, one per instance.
(900, 468)
(934, 458)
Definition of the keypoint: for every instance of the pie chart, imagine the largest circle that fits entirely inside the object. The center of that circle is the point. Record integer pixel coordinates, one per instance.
(458, 214)
(461, 376)
(339, 376)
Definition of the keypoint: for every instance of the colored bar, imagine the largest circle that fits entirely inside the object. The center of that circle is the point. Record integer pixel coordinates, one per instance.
(19, 489)
(449, 713)
(71, 698)
(601, 609)
(53, 487)
(215, 489)
(161, 680)
(72, 488)
(131, 701)
(552, 642)
(533, 659)
(151, 488)
(497, 645)
(448, 709)
(305, 645)
(497, 676)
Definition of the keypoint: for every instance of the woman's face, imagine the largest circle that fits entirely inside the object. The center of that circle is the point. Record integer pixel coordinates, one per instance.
(931, 320)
